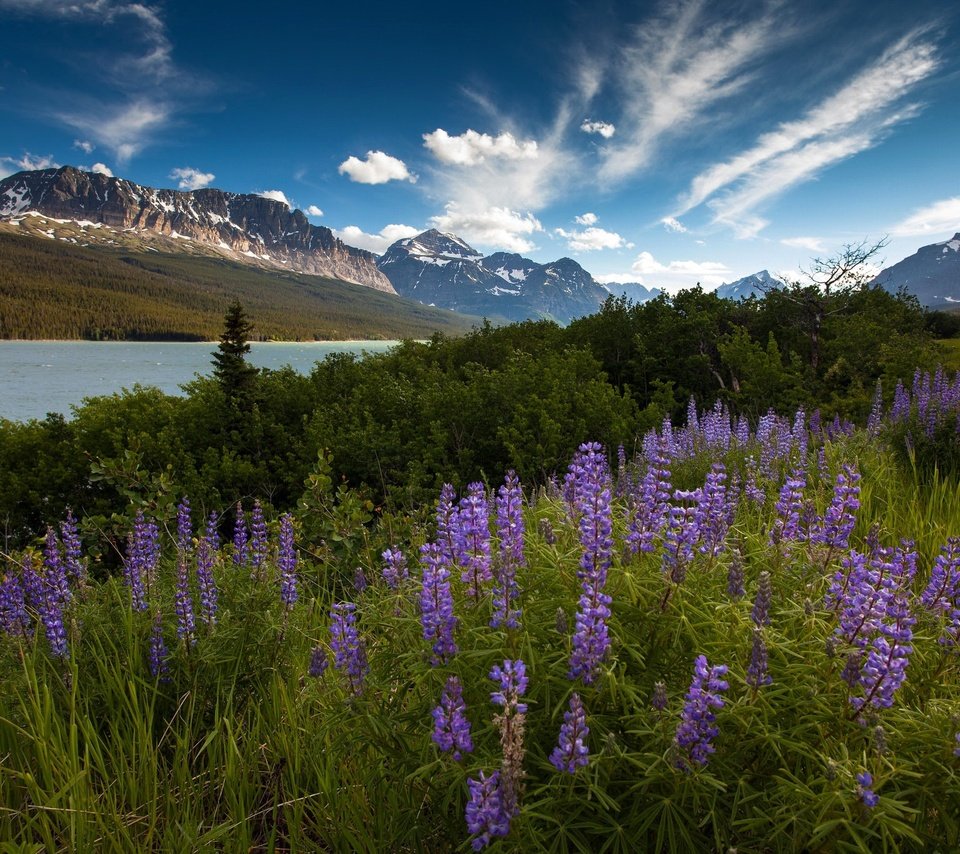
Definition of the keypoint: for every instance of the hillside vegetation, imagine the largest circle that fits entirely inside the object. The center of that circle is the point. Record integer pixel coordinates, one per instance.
(51, 289)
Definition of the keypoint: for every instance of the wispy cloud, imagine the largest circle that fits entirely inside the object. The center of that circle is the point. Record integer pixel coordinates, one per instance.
(188, 178)
(671, 223)
(941, 218)
(84, 145)
(378, 243)
(376, 168)
(676, 68)
(313, 210)
(854, 118)
(811, 244)
(124, 128)
(496, 227)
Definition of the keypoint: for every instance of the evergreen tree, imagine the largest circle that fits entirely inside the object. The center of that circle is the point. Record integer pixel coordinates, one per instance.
(230, 367)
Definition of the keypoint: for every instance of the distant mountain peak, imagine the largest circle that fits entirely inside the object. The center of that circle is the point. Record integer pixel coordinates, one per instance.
(756, 284)
(931, 274)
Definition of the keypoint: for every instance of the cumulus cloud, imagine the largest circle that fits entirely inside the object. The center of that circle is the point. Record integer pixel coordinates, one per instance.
(313, 210)
(102, 169)
(276, 196)
(27, 163)
(378, 243)
(377, 168)
(811, 244)
(940, 218)
(592, 239)
(672, 276)
(84, 145)
(495, 227)
(188, 178)
(605, 129)
(471, 148)
(671, 223)
(586, 219)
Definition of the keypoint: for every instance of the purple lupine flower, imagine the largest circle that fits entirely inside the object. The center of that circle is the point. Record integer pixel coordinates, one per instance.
(900, 411)
(14, 619)
(510, 532)
(72, 549)
(942, 593)
(184, 527)
(447, 525)
(212, 534)
(451, 727)
(33, 586)
(55, 573)
(240, 545)
(139, 566)
(159, 669)
(761, 605)
(865, 791)
(473, 539)
(884, 670)
(840, 518)
(259, 545)
(512, 677)
(436, 604)
(44, 592)
(735, 588)
(318, 662)
(649, 507)
(287, 562)
(485, 814)
(349, 654)
(591, 639)
(571, 752)
(787, 524)
(696, 730)
(183, 602)
(757, 675)
(679, 541)
(360, 580)
(659, 699)
(711, 512)
(956, 750)
(753, 492)
(861, 595)
(876, 411)
(395, 568)
(206, 557)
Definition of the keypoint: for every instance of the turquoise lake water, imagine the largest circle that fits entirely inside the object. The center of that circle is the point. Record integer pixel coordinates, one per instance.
(37, 377)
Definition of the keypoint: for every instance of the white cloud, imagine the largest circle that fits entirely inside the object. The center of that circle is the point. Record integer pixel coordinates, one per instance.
(189, 178)
(591, 239)
(496, 227)
(377, 168)
(811, 244)
(28, 163)
(940, 218)
(126, 130)
(84, 145)
(671, 223)
(586, 219)
(605, 129)
(856, 117)
(673, 276)
(102, 169)
(675, 69)
(276, 196)
(378, 243)
(471, 148)
(313, 210)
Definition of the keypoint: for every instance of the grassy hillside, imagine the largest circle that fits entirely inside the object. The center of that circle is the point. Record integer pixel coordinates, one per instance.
(52, 289)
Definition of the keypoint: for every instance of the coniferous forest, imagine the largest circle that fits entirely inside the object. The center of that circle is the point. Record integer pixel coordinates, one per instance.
(680, 576)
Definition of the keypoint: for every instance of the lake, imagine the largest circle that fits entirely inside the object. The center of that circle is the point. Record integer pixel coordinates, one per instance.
(37, 377)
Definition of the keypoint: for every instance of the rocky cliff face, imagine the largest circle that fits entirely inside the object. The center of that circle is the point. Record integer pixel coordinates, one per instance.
(440, 269)
(931, 274)
(243, 227)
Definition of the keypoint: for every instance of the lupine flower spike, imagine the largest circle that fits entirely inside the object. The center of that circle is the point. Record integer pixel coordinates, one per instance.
(571, 752)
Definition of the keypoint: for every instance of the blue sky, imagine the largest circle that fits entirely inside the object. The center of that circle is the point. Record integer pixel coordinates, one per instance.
(665, 143)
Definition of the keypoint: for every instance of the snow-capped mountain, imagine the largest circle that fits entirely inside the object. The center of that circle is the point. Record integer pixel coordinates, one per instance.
(932, 274)
(633, 291)
(441, 269)
(756, 285)
(104, 210)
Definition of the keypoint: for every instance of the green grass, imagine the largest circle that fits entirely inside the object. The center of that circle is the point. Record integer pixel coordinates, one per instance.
(950, 350)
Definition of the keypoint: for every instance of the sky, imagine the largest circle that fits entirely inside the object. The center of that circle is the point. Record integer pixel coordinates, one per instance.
(666, 143)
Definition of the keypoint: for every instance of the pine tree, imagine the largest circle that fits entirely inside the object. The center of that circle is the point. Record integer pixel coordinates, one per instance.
(230, 367)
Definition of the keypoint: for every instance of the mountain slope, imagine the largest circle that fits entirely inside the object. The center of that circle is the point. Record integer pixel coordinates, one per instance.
(932, 274)
(755, 285)
(55, 289)
(441, 269)
(244, 228)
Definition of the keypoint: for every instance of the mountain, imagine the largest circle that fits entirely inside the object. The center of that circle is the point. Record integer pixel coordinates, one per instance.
(755, 285)
(932, 274)
(245, 228)
(442, 270)
(633, 291)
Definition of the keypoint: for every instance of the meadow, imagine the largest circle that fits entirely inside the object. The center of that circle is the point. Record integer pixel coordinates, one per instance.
(740, 636)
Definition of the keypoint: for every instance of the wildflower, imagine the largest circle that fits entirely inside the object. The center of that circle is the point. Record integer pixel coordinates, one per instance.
(884, 670)
(649, 507)
(696, 730)
(711, 512)
(183, 602)
(136, 564)
(395, 568)
(678, 542)
(942, 593)
(55, 573)
(72, 549)
(735, 588)
(184, 528)
(349, 655)
(206, 556)
(513, 684)
(864, 790)
(436, 603)
(473, 539)
(659, 699)
(571, 753)
(287, 562)
(839, 519)
(258, 546)
(485, 814)
(447, 524)
(451, 727)
(510, 531)
(318, 662)
(240, 548)
(761, 605)
(359, 580)
(787, 524)
(158, 650)
(757, 675)
(14, 618)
